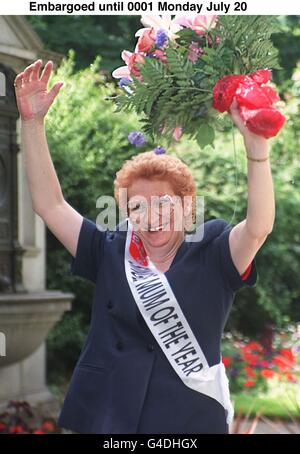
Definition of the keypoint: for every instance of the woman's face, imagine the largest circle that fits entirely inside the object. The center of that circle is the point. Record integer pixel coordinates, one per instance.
(149, 207)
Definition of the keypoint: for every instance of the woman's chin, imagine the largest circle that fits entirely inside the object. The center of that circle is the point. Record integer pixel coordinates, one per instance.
(157, 238)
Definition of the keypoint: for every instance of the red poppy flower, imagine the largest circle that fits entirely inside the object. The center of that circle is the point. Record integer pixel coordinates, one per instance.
(250, 372)
(249, 94)
(270, 93)
(267, 373)
(48, 426)
(249, 383)
(288, 354)
(253, 346)
(265, 122)
(226, 361)
(255, 101)
(224, 91)
(18, 429)
(250, 358)
(281, 362)
(261, 76)
(264, 363)
(291, 377)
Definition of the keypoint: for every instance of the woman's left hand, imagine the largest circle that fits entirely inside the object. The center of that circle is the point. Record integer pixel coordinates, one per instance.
(256, 146)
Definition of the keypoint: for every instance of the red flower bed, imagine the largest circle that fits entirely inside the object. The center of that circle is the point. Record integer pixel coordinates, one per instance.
(19, 418)
(250, 365)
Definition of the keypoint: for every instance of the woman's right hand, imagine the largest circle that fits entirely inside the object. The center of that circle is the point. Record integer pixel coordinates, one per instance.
(33, 99)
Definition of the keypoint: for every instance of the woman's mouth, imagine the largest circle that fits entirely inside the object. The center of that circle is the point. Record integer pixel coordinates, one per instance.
(156, 229)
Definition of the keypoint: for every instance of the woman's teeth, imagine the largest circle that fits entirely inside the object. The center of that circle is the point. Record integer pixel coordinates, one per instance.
(160, 227)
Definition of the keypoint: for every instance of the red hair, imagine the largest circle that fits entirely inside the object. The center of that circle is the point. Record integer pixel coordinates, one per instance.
(165, 167)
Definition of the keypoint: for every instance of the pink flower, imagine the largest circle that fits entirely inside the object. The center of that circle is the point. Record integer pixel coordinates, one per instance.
(123, 71)
(199, 23)
(130, 58)
(160, 55)
(177, 132)
(194, 52)
(146, 41)
(133, 60)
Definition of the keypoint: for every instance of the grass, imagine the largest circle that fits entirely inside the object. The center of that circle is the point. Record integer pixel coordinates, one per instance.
(281, 401)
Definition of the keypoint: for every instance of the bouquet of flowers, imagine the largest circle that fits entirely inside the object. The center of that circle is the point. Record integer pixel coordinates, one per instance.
(186, 71)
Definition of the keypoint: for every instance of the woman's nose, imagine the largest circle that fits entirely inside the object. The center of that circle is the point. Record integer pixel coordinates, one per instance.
(154, 218)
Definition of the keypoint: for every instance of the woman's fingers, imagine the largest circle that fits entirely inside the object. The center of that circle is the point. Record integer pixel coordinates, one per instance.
(26, 74)
(36, 68)
(18, 81)
(236, 117)
(29, 72)
(46, 72)
(234, 104)
(54, 90)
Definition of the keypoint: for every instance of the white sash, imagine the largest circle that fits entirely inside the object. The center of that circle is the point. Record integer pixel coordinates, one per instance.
(164, 317)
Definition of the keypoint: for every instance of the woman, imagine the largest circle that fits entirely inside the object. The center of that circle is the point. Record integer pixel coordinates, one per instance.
(126, 380)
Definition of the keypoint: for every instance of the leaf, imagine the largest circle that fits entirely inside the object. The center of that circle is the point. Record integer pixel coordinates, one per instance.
(186, 33)
(205, 135)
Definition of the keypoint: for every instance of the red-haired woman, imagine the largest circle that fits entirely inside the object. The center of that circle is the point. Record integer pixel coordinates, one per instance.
(151, 362)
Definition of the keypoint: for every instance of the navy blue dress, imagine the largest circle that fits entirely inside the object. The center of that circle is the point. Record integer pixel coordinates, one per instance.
(123, 382)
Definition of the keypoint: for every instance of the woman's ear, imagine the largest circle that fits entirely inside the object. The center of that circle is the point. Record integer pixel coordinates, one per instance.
(188, 211)
(187, 206)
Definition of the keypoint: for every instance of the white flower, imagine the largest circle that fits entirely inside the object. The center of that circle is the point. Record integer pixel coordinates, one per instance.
(160, 22)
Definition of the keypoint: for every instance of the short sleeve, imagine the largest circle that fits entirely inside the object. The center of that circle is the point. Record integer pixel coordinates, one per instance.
(89, 251)
(231, 275)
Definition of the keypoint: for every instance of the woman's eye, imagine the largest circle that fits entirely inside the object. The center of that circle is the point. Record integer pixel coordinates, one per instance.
(163, 202)
(137, 207)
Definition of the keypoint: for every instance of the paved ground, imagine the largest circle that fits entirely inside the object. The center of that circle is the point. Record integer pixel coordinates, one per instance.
(289, 428)
(271, 427)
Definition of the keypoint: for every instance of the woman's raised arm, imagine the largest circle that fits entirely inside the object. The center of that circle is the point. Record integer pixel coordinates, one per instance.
(34, 101)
